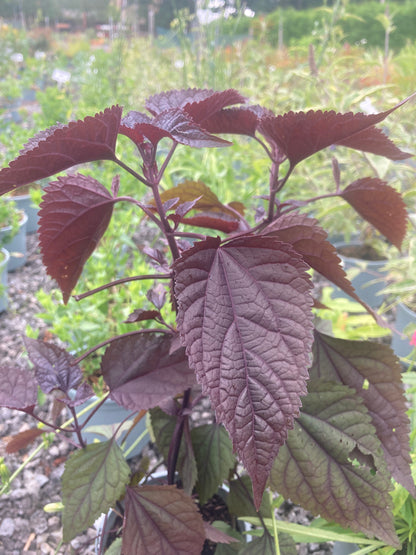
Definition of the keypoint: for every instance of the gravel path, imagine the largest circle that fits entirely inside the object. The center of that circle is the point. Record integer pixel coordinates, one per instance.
(25, 528)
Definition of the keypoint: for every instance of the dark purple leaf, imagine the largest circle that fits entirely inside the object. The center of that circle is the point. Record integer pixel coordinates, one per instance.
(140, 314)
(54, 367)
(217, 536)
(245, 318)
(375, 374)
(141, 373)
(299, 135)
(380, 205)
(83, 393)
(310, 240)
(62, 147)
(18, 388)
(212, 221)
(74, 215)
(161, 519)
(375, 141)
(157, 295)
(332, 463)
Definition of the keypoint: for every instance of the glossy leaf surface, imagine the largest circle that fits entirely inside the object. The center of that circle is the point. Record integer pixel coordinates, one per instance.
(375, 373)
(141, 372)
(63, 146)
(74, 215)
(54, 367)
(245, 318)
(161, 519)
(381, 205)
(18, 388)
(94, 479)
(333, 464)
(214, 458)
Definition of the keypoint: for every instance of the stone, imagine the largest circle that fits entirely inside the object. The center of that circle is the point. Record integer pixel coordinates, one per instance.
(7, 527)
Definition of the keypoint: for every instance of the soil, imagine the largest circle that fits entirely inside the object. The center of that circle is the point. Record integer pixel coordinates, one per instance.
(25, 528)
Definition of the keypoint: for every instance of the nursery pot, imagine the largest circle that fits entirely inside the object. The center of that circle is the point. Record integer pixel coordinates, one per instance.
(4, 259)
(368, 277)
(17, 245)
(112, 414)
(25, 203)
(403, 330)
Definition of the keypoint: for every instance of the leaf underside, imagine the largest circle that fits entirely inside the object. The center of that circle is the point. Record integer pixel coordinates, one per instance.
(161, 519)
(94, 479)
(74, 214)
(229, 296)
(141, 373)
(62, 147)
(356, 363)
(332, 463)
(381, 205)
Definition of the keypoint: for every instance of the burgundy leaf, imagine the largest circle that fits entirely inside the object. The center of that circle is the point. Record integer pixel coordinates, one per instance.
(74, 215)
(380, 205)
(141, 373)
(62, 147)
(375, 373)
(217, 536)
(299, 135)
(310, 240)
(161, 519)
(245, 318)
(375, 141)
(200, 104)
(18, 388)
(141, 314)
(157, 296)
(22, 440)
(54, 367)
(83, 393)
(241, 121)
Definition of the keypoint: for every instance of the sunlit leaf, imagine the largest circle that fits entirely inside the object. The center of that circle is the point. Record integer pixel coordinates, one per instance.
(74, 215)
(22, 439)
(64, 146)
(381, 205)
(245, 318)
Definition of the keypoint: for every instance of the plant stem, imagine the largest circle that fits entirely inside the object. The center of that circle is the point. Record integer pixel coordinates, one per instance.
(175, 443)
(118, 282)
(132, 172)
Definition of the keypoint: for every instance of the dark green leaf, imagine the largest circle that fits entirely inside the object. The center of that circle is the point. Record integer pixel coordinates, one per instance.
(333, 465)
(214, 458)
(240, 499)
(261, 546)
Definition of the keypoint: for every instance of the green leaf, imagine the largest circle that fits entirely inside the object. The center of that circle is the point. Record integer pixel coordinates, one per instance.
(240, 499)
(94, 479)
(214, 458)
(115, 547)
(333, 465)
(261, 546)
(374, 372)
(287, 544)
